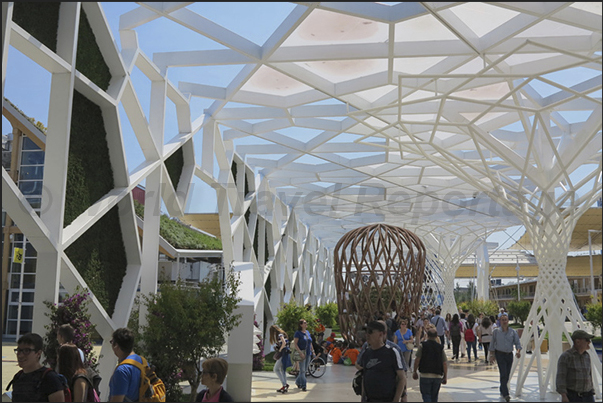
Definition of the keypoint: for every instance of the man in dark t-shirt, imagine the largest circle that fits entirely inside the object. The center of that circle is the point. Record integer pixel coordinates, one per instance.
(35, 383)
(384, 377)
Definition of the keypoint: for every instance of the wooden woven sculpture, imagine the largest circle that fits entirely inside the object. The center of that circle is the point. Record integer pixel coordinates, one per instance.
(378, 268)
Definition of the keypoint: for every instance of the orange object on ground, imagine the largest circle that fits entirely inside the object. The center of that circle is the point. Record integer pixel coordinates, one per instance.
(336, 354)
(353, 354)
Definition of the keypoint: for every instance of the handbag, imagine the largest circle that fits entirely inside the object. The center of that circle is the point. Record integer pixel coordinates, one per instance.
(277, 355)
(409, 344)
(296, 356)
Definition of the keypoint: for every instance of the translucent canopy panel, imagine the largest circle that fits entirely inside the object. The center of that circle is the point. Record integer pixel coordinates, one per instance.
(412, 114)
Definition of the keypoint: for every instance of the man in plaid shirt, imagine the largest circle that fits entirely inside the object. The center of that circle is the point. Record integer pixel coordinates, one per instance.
(574, 377)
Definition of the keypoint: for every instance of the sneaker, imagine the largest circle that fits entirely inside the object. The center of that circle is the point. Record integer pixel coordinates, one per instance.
(282, 390)
(507, 398)
(287, 388)
(462, 355)
(304, 389)
(469, 360)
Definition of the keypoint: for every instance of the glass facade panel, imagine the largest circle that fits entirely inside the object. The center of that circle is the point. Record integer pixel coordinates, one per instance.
(30, 265)
(13, 311)
(31, 172)
(26, 326)
(31, 187)
(29, 281)
(28, 297)
(11, 327)
(32, 158)
(28, 144)
(27, 312)
(30, 251)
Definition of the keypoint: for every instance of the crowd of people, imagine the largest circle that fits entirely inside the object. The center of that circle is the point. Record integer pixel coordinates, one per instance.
(383, 360)
(72, 381)
(389, 344)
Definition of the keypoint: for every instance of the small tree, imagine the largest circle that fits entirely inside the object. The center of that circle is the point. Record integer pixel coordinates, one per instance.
(185, 324)
(74, 311)
(593, 315)
(519, 309)
(328, 314)
(289, 316)
(488, 307)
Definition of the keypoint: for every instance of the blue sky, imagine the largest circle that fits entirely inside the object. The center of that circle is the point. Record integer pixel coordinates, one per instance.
(28, 85)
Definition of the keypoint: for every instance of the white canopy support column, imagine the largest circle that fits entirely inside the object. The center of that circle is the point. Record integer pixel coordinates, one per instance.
(554, 301)
(449, 251)
(483, 271)
(240, 340)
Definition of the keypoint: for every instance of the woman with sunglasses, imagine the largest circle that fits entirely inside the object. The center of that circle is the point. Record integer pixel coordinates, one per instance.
(212, 376)
(35, 382)
(302, 342)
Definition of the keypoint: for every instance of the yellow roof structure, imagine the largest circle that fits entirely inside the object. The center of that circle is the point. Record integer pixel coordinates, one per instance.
(590, 220)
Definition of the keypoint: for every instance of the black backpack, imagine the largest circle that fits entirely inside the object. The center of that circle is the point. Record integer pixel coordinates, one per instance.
(357, 382)
(455, 330)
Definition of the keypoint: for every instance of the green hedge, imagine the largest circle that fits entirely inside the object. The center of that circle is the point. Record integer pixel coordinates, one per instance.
(40, 19)
(90, 61)
(174, 166)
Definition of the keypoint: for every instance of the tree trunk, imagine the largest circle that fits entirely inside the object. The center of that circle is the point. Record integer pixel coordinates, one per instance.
(194, 386)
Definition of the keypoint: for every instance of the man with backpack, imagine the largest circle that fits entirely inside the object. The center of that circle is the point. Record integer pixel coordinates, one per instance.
(128, 382)
(35, 382)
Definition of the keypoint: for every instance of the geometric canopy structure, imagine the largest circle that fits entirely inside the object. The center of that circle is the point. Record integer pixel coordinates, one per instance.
(378, 268)
(449, 119)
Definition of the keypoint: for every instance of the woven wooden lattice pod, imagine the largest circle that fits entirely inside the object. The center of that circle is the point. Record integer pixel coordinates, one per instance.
(377, 268)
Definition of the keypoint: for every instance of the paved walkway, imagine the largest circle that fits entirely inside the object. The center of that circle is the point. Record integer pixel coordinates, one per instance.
(467, 382)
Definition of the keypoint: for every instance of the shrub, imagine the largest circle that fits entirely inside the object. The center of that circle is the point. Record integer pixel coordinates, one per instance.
(186, 323)
(74, 311)
(519, 309)
(289, 316)
(328, 314)
(593, 315)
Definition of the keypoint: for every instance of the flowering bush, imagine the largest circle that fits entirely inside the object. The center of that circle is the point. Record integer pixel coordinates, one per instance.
(259, 358)
(74, 311)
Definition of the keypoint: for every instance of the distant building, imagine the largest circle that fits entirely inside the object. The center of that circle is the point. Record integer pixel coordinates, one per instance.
(503, 294)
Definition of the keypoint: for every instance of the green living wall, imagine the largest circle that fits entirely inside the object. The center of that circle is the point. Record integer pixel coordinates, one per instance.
(174, 166)
(40, 19)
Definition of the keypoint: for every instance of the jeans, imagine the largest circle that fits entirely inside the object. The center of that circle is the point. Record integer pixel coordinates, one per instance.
(470, 345)
(303, 367)
(430, 388)
(505, 362)
(279, 369)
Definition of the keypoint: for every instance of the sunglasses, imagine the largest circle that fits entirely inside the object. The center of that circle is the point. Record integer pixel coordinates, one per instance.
(25, 351)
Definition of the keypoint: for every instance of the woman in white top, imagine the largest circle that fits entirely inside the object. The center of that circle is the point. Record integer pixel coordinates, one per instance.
(484, 332)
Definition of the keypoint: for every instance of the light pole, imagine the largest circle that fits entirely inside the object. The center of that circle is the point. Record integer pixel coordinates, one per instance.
(590, 254)
(517, 269)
